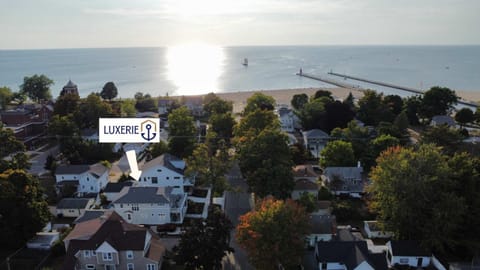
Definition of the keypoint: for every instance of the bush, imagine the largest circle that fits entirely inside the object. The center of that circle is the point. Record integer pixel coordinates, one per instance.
(324, 194)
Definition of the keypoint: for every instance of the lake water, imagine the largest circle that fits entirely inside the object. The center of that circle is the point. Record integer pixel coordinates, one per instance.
(198, 69)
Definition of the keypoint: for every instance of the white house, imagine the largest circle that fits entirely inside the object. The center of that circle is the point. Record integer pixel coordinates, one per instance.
(87, 178)
(73, 207)
(345, 180)
(315, 140)
(288, 120)
(165, 171)
(151, 205)
(374, 231)
(439, 120)
(407, 253)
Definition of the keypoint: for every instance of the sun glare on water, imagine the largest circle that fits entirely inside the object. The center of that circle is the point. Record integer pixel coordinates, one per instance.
(195, 68)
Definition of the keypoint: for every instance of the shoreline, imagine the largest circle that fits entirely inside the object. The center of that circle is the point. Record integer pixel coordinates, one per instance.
(284, 96)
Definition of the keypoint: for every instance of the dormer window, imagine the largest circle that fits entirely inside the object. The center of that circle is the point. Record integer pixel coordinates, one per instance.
(107, 256)
(129, 254)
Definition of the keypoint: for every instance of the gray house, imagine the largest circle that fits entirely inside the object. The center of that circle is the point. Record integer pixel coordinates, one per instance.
(109, 242)
(345, 180)
(315, 140)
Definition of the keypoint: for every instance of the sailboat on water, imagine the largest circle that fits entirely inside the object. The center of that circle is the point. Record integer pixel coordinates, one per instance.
(245, 62)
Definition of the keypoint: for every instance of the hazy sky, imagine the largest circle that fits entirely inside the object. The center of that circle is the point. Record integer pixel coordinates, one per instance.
(125, 23)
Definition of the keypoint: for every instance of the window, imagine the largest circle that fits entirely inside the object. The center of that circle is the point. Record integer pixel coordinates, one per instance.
(129, 217)
(86, 253)
(129, 254)
(168, 178)
(91, 188)
(107, 256)
(159, 170)
(154, 180)
(176, 177)
(94, 253)
(88, 179)
(135, 208)
(130, 266)
(151, 267)
(90, 266)
(404, 260)
(121, 205)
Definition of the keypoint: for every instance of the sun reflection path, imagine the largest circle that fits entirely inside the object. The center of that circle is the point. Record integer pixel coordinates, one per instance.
(195, 68)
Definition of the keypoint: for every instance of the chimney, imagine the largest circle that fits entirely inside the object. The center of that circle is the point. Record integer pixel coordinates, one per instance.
(359, 165)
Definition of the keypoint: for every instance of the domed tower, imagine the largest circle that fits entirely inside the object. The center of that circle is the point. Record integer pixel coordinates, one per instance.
(70, 88)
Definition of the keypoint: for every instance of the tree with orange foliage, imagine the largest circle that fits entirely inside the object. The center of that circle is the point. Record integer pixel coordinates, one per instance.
(274, 234)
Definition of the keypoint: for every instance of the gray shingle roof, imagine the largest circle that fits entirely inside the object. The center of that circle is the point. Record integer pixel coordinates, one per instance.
(117, 187)
(96, 169)
(163, 160)
(144, 195)
(350, 253)
(315, 133)
(89, 215)
(73, 203)
(344, 172)
(323, 224)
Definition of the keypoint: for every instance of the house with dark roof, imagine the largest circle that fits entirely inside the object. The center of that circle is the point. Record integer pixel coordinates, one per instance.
(73, 207)
(322, 228)
(165, 171)
(151, 205)
(345, 180)
(87, 178)
(303, 186)
(89, 215)
(112, 190)
(109, 242)
(315, 140)
(407, 252)
(347, 255)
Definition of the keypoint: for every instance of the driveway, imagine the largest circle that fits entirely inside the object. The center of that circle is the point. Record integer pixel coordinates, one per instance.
(39, 159)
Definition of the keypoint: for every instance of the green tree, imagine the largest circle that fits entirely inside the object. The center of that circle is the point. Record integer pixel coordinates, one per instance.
(337, 154)
(372, 110)
(158, 149)
(308, 201)
(66, 104)
(443, 136)
(322, 93)
(412, 107)
(414, 197)
(205, 242)
(90, 110)
(146, 104)
(209, 165)
(181, 139)
(338, 114)
(259, 101)
(437, 101)
(266, 162)
(350, 101)
(382, 143)
(12, 151)
(274, 234)
(23, 209)
(255, 122)
(37, 87)
(299, 101)
(62, 127)
(127, 108)
(223, 124)
(464, 116)
(394, 103)
(313, 114)
(358, 136)
(215, 105)
(109, 91)
(6, 97)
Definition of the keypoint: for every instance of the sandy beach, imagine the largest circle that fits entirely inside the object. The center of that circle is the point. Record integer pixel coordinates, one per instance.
(284, 96)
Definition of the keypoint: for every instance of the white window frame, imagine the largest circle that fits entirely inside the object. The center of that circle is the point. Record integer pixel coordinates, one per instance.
(106, 257)
(151, 266)
(129, 254)
(130, 266)
(86, 253)
(90, 266)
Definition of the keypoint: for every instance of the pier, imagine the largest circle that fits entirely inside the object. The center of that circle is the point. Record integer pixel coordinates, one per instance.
(389, 85)
(329, 81)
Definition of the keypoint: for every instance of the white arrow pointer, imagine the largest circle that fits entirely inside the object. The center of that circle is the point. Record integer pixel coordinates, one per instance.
(132, 161)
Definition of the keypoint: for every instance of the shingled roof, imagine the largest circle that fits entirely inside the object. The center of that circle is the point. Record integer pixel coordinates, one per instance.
(351, 254)
(95, 169)
(164, 160)
(144, 195)
(111, 228)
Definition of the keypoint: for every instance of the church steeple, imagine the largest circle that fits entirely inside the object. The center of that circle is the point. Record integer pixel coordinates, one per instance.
(69, 88)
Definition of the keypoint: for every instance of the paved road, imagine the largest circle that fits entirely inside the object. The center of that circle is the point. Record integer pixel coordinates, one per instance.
(237, 203)
(38, 161)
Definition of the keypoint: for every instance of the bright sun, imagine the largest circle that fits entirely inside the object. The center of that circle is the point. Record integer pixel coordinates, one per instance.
(195, 68)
